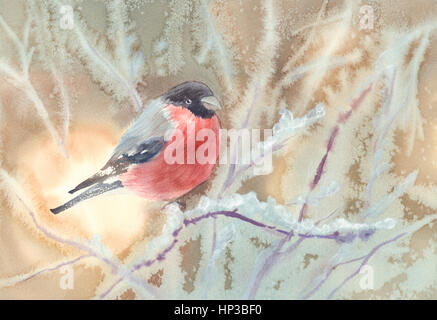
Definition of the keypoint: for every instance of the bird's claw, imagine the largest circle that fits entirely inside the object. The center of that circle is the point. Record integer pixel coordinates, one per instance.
(182, 206)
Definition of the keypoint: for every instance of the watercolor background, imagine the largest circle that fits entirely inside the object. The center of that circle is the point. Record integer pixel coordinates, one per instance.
(67, 93)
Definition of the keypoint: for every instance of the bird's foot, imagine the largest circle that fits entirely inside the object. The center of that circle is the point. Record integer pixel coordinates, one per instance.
(182, 206)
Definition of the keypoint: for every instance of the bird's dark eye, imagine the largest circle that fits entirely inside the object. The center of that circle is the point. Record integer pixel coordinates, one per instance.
(188, 101)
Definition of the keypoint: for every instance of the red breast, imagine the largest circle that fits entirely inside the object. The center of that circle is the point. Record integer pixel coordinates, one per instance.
(160, 180)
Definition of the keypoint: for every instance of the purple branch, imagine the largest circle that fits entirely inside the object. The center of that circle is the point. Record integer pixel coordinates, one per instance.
(322, 163)
(327, 274)
(234, 214)
(278, 254)
(214, 236)
(273, 258)
(374, 250)
(298, 242)
(268, 264)
(379, 138)
(53, 268)
(230, 214)
(342, 118)
(115, 268)
(252, 106)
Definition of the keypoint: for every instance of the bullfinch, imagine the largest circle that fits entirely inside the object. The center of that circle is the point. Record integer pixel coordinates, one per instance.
(143, 161)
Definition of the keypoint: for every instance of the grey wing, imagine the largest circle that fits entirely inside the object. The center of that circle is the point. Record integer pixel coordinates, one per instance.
(153, 123)
(142, 142)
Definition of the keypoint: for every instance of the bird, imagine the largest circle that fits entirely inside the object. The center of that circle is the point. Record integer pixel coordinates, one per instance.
(140, 161)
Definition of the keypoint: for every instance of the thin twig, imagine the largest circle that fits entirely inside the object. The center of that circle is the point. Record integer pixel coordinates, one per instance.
(366, 259)
(12, 282)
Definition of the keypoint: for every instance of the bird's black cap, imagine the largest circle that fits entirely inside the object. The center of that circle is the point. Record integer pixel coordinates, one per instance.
(189, 95)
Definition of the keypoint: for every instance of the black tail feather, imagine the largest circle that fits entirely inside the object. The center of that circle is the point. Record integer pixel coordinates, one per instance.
(88, 182)
(87, 194)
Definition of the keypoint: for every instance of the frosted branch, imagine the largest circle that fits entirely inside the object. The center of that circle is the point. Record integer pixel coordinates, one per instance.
(364, 262)
(20, 78)
(95, 248)
(24, 277)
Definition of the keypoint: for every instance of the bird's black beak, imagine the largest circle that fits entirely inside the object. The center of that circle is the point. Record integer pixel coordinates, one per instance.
(212, 103)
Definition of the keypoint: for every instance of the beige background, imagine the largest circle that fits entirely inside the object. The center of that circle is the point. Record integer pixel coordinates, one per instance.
(266, 43)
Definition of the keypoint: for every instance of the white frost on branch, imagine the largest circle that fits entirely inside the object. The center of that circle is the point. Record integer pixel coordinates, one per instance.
(314, 198)
(54, 58)
(97, 245)
(20, 77)
(213, 42)
(287, 125)
(130, 60)
(225, 236)
(271, 213)
(326, 64)
(381, 205)
(169, 48)
(118, 70)
(405, 89)
(284, 129)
